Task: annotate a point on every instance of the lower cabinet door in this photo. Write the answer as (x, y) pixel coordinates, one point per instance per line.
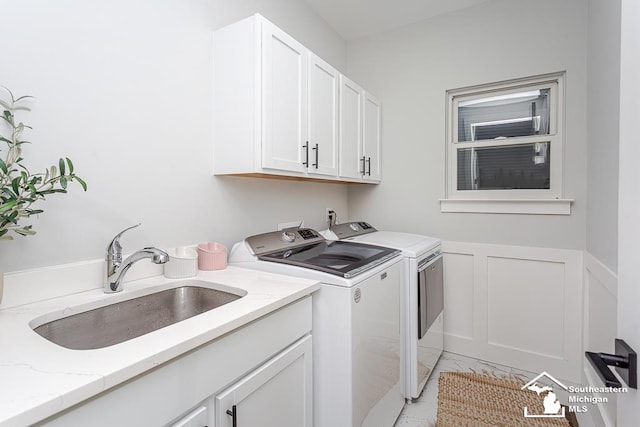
(196, 418)
(277, 394)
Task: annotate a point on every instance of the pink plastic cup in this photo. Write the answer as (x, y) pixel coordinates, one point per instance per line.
(212, 256)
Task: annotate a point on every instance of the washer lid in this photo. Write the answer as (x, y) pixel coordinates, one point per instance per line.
(345, 259)
(413, 245)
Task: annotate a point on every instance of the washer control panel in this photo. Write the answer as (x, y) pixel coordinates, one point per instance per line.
(351, 229)
(277, 240)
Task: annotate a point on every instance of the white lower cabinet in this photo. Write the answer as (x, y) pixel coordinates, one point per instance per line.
(278, 394)
(199, 417)
(263, 369)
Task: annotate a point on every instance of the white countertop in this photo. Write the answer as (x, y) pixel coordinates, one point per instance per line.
(39, 378)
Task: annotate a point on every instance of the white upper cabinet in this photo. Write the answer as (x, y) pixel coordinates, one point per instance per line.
(351, 159)
(371, 141)
(277, 107)
(360, 141)
(323, 118)
(284, 100)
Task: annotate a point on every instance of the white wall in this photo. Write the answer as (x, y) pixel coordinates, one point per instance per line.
(410, 69)
(124, 89)
(603, 130)
(601, 257)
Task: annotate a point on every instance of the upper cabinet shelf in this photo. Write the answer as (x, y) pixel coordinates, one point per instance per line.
(281, 111)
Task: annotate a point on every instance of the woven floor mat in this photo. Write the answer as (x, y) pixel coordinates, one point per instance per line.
(469, 399)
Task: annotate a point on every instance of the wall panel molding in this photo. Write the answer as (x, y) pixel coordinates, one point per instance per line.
(523, 305)
(600, 323)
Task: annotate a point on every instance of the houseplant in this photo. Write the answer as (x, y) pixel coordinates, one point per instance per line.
(20, 189)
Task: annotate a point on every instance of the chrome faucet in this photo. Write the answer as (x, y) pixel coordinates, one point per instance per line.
(117, 268)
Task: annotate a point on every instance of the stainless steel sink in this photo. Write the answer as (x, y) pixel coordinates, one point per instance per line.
(124, 320)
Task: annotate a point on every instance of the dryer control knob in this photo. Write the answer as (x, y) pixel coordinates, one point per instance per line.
(288, 236)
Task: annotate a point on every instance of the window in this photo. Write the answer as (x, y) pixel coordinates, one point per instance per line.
(505, 146)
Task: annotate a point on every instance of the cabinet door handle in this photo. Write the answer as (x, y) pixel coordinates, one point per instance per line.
(306, 154)
(369, 162)
(364, 169)
(317, 151)
(233, 415)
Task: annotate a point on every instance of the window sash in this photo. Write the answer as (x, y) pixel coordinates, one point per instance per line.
(555, 173)
(456, 98)
(554, 82)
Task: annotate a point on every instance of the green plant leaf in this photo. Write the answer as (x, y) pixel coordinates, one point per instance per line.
(25, 231)
(61, 166)
(63, 181)
(14, 154)
(70, 163)
(8, 205)
(23, 97)
(8, 192)
(15, 184)
(12, 217)
(3, 166)
(81, 182)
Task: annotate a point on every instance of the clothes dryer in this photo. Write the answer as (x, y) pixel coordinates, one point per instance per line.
(423, 296)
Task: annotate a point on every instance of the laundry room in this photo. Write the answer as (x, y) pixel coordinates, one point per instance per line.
(293, 157)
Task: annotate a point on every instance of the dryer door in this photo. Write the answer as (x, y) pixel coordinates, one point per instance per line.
(430, 294)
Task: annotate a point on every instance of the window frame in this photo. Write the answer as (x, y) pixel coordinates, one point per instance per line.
(524, 200)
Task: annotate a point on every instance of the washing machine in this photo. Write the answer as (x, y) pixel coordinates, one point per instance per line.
(422, 296)
(357, 344)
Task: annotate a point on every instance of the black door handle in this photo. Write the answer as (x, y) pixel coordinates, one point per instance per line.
(306, 147)
(234, 416)
(364, 168)
(369, 162)
(317, 150)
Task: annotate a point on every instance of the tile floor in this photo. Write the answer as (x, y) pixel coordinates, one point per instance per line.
(422, 412)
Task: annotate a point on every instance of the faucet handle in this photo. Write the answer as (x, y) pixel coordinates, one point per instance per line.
(114, 250)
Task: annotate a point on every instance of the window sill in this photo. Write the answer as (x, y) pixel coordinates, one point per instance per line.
(515, 206)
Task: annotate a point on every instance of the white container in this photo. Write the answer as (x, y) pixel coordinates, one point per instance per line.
(183, 262)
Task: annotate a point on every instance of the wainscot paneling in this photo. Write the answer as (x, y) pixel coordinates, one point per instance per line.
(515, 306)
(600, 324)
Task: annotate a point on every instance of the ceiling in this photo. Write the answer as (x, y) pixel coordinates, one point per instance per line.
(353, 19)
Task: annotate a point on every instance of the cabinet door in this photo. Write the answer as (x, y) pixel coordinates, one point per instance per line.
(323, 117)
(371, 138)
(196, 418)
(277, 394)
(351, 157)
(284, 100)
